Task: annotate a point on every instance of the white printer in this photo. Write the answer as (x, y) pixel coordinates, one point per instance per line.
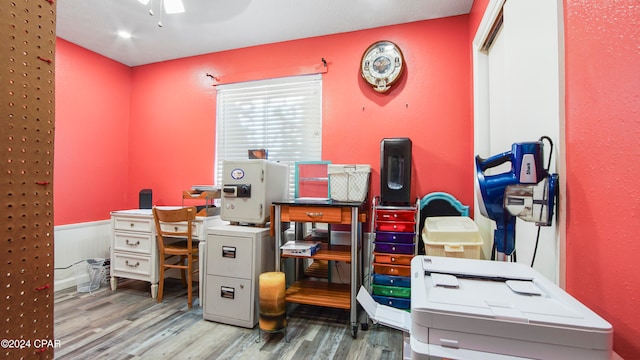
(480, 309)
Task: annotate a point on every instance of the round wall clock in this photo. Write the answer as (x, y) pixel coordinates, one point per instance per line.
(381, 65)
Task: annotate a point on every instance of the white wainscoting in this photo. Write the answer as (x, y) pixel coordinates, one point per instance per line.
(77, 242)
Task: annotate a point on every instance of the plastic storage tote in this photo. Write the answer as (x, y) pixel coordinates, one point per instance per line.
(452, 236)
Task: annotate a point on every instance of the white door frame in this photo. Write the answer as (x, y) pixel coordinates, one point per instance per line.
(482, 139)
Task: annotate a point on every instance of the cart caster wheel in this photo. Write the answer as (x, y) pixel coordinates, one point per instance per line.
(354, 331)
(364, 326)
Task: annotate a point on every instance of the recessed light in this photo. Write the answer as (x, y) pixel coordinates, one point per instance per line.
(124, 34)
(143, 2)
(173, 6)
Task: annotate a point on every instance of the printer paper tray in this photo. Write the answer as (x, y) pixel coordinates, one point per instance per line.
(512, 347)
(424, 351)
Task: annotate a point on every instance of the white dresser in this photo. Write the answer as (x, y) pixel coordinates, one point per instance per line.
(134, 252)
(236, 256)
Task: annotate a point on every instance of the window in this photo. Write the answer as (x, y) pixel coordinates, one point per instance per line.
(283, 116)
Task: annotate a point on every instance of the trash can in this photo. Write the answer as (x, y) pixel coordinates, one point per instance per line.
(89, 274)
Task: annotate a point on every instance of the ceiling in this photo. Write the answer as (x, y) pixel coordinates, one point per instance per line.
(209, 26)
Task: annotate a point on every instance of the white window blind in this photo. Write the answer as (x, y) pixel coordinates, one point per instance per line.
(283, 116)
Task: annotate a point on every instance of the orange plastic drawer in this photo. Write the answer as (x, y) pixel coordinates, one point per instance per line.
(386, 269)
(392, 259)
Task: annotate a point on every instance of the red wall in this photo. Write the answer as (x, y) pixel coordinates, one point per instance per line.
(102, 159)
(91, 135)
(602, 129)
(172, 130)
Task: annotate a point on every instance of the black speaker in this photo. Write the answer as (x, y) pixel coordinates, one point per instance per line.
(395, 171)
(144, 201)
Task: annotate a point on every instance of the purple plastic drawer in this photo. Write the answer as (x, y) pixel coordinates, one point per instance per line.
(393, 248)
(395, 237)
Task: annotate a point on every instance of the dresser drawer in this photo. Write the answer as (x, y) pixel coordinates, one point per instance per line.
(132, 265)
(396, 215)
(196, 227)
(133, 224)
(134, 242)
(315, 214)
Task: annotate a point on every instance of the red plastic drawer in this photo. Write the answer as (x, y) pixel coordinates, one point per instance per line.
(386, 269)
(394, 259)
(396, 215)
(401, 226)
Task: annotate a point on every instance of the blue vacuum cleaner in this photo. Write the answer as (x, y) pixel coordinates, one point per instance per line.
(527, 191)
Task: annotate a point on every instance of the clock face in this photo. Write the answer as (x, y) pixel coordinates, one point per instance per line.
(382, 64)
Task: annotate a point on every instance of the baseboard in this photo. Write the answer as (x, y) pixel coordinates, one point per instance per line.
(63, 284)
(74, 243)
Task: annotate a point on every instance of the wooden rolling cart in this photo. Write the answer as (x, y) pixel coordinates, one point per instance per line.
(325, 293)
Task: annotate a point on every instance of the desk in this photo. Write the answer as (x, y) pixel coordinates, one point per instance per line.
(316, 292)
(134, 250)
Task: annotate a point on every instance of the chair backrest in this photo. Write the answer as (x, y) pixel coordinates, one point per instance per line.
(169, 218)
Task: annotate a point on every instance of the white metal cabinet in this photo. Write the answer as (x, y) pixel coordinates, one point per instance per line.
(236, 256)
(134, 252)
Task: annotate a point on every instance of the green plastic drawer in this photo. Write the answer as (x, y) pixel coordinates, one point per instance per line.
(401, 292)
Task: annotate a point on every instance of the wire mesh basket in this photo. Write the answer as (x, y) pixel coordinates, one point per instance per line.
(89, 274)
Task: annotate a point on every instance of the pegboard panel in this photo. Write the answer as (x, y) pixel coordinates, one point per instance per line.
(28, 40)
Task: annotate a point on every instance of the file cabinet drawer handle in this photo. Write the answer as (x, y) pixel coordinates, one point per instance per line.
(227, 292)
(229, 252)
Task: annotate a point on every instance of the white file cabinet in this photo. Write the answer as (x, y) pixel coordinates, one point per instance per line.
(236, 256)
(134, 251)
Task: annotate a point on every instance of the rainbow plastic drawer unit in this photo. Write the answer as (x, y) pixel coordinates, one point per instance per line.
(478, 309)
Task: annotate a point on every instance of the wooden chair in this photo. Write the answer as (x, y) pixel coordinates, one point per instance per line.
(175, 240)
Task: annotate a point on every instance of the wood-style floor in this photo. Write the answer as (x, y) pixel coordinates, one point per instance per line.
(129, 324)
